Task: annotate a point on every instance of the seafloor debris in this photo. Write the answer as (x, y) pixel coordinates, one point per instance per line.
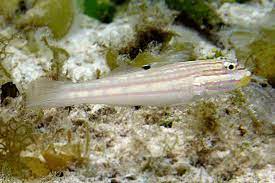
(32, 143)
(223, 138)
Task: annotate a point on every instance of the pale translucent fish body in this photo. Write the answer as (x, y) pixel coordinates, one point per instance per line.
(167, 85)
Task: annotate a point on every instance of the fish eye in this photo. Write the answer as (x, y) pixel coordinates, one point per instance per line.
(230, 66)
(146, 67)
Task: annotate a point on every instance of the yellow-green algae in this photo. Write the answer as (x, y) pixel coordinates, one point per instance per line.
(144, 58)
(5, 74)
(259, 55)
(56, 14)
(151, 26)
(217, 131)
(22, 144)
(200, 15)
(8, 8)
(111, 59)
(200, 12)
(255, 47)
(152, 42)
(16, 135)
(32, 45)
(60, 55)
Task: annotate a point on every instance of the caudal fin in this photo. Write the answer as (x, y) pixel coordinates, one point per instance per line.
(43, 92)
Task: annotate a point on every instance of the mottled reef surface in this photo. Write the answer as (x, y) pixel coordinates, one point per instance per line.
(228, 137)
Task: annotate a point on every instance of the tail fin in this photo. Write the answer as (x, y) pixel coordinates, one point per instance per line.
(42, 91)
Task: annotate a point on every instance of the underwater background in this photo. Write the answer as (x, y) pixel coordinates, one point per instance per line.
(227, 137)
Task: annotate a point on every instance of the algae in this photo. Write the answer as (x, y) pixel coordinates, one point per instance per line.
(146, 38)
(218, 138)
(32, 45)
(103, 10)
(234, 1)
(206, 117)
(111, 58)
(144, 58)
(200, 15)
(16, 135)
(156, 116)
(8, 8)
(37, 167)
(5, 75)
(256, 49)
(56, 14)
(60, 55)
(153, 37)
(217, 132)
(201, 12)
(22, 144)
(263, 59)
(157, 165)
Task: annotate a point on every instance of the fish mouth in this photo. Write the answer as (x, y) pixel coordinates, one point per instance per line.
(245, 80)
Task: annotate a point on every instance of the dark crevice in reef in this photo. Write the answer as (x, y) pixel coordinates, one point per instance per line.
(119, 2)
(271, 81)
(206, 30)
(144, 38)
(22, 7)
(9, 90)
(199, 15)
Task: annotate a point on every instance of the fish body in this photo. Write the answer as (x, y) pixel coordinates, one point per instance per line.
(167, 85)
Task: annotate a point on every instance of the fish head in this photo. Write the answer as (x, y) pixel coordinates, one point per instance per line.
(222, 77)
(237, 73)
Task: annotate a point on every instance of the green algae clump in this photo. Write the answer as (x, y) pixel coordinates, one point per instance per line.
(103, 10)
(264, 59)
(15, 136)
(144, 58)
(56, 14)
(5, 75)
(8, 8)
(60, 55)
(207, 121)
(256, 48)
(27, 152)
(111, 58)
(200, 13)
